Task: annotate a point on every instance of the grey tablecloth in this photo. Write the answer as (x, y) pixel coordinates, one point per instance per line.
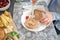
(48, 34)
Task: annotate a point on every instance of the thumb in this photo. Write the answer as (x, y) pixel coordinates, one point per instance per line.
(15, 38)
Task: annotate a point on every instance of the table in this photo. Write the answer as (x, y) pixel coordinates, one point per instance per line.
(48, 34)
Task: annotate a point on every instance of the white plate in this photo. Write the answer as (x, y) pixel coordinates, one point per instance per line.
(23, 19)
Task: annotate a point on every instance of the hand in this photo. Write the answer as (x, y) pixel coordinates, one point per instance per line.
(47, 18)
(34, 1)
(15, 38)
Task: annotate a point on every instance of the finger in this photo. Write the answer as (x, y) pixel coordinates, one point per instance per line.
(45, 20)
(15, 38)
(42, 18)
(49, 24)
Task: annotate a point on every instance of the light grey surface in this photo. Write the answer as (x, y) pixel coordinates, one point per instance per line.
(48, 34)
(58, 37)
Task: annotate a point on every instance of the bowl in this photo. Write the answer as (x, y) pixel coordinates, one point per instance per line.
(6, 7)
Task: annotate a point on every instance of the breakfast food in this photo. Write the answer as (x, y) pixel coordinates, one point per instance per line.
(9, 20)
(2, 34)
(12, 35)
(38, 14)
(31, 23)
(1, 23)
(3, 3)
(27, 17)
(5, 19)
(8, 29)
(6, 13)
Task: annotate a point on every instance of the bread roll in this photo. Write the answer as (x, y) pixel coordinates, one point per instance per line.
(31, 23)
(38, 14)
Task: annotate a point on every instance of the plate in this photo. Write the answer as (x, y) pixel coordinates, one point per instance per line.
(23, 19)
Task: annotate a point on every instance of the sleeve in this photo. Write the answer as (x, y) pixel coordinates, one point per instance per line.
(56, 16)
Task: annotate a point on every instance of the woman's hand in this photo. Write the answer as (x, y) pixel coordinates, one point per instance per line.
(34, 1)
(15, 38)
(47, 18)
